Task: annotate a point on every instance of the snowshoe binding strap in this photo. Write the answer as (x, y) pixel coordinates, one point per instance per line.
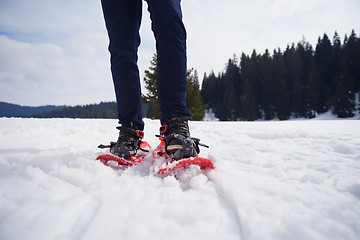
(133, 132)
(176, 124)
(178, 143)
(128, 143)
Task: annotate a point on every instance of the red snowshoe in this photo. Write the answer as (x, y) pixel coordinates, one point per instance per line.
(171, 165)
(117, 162)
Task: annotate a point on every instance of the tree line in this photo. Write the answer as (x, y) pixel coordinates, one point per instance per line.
(101, 110)
(299, 82)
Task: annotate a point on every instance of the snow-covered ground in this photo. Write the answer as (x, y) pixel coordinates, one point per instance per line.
(273, 180)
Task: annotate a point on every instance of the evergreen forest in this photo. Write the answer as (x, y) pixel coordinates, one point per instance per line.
(302, 81)
(299, 82)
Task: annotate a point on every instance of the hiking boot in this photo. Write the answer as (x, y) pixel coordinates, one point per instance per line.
(128, 142)
(176, 135)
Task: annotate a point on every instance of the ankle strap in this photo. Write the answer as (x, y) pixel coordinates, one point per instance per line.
(174, 122)
(133, 132)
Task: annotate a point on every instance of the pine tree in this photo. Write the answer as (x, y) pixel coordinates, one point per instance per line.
(344, 96)
(310, 79)
(296, 89)
(232, 84)
(193, 97)
(281, 98)
(151, 98)
(255, 82)
(267, 86)
(221, 103)
(208, 90)
(248, 104)
(323, 58)
(352, 57)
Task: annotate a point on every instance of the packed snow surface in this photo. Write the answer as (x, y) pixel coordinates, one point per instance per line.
(273, 180)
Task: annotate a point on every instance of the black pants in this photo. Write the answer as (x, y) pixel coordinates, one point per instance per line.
(123, 19)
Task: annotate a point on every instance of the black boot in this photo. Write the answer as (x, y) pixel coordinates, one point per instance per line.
(128, 142)
(176, 135)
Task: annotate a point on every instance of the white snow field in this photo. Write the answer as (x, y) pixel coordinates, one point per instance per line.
(273, 180)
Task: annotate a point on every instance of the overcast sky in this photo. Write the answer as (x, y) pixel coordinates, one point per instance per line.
(55, 51)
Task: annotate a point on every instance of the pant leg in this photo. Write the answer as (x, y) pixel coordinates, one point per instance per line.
(123, 19)
(170, 35)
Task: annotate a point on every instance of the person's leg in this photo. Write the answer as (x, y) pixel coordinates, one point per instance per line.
(170, 35)
(123, 19)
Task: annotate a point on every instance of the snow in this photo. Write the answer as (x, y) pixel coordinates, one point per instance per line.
(210, 116)
(273, 180)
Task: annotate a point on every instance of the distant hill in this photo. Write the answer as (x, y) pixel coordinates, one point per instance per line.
(14, 110)
(101, 110)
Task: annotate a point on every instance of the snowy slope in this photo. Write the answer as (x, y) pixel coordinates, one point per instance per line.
(273, 180)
